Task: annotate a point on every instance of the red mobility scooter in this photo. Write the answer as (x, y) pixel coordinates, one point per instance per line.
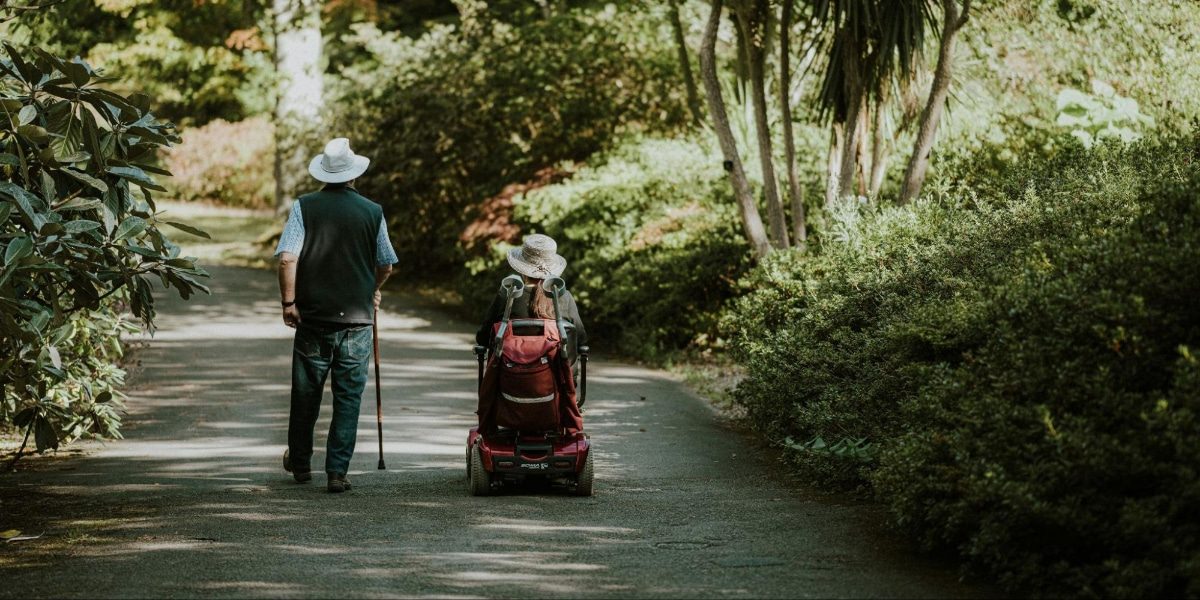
(530, 425)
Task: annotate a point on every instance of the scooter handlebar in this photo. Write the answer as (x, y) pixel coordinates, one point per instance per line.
(555, 286)
(512, 287)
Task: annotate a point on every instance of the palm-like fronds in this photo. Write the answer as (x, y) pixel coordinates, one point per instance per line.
(872, 45)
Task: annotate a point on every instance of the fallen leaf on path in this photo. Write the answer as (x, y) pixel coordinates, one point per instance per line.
(22, 538)
(11, 533)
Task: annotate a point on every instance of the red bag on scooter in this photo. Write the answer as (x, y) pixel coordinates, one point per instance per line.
(528, 384)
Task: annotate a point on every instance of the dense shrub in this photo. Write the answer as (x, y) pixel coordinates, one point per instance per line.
(453, 116)
(80, 242)
(227, 163)
(1020, 362)
(653, 242)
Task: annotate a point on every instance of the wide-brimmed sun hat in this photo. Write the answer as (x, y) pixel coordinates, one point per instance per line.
(338, 164)
(537, 257)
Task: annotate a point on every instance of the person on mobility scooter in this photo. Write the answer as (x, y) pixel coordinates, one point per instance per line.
(532, 355)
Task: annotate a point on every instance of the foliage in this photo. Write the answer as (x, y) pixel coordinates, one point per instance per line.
(1102, 114)
(1021, 55)
(652, 241)
(198, 60)
(1021, 360)
(453, 116)
(227, 163)
(80, 237)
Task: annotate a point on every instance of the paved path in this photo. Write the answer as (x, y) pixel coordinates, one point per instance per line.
(193, 502)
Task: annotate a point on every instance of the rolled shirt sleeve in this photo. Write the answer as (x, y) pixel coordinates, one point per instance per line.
(385, 254)
(292, 240)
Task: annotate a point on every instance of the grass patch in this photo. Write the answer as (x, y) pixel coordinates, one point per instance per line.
(239, 237)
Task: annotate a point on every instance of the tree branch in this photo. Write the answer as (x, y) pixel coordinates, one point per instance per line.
(15, 11)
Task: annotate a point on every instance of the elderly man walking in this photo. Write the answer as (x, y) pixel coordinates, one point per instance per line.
(334, 256)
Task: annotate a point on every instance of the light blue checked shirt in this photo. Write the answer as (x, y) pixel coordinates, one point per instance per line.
(292, 240)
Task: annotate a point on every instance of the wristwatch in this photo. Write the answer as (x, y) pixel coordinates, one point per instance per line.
(287, 304)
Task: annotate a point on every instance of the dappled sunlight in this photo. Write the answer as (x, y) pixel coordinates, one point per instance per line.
(540, 527)
(197, 489)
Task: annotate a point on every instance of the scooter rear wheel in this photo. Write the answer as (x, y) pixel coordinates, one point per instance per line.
(480, 481)
(583, 486)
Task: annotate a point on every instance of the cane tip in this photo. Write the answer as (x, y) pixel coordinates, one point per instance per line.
(381, 467)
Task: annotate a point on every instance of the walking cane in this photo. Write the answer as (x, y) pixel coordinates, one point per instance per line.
(378, 390)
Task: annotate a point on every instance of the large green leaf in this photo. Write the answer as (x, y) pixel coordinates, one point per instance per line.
(27, 114)
(5, 210)
(25, 417)
(81, 204)
(190, 229)
(137, 176)
(77, 73)
(27, 70)
(130, 227)
(91, 139)
(25, 200)
(81, 226)
(45, 434)
(61, 120)
(34, 133)
(17, 249)
(87, 179)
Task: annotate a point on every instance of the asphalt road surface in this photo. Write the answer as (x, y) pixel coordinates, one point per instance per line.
(194, 503)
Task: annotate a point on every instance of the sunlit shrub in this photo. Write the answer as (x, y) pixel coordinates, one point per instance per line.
(227, 163)
(653, 241)
(1021, 360)
(452, 117)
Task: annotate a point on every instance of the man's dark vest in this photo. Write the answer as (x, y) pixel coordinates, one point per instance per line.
(335, 279)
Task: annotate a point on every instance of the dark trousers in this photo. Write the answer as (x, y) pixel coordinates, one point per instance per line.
(317, 350)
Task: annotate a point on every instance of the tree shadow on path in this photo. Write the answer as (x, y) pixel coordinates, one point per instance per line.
(194, 502)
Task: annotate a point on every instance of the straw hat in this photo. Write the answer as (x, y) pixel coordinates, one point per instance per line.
(338, 164)
(537, 257)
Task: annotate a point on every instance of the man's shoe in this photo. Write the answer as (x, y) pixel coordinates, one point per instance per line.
(300, 475)
(338, 483)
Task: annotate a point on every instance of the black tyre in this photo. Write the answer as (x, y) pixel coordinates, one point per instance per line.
(583, 486)
(479, 480)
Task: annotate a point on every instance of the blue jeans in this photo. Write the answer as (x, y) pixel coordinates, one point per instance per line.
(316, 351)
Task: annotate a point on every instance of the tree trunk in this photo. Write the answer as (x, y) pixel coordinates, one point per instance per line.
(751, 221)
(879, 150)
(860, 161)
(685, 63)
(799, 222)
(853, 131)
(742, 72)
(298, 45)
(753, 20)
(836, 141)
(918, 163)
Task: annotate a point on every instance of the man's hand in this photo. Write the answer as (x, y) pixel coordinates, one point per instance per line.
(378, 297)
(291, 316)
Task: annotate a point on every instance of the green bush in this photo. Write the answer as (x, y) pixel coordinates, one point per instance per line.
(453, 116)
(1020, 362)
(80, 242)
(653, 241)
(227, 163)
